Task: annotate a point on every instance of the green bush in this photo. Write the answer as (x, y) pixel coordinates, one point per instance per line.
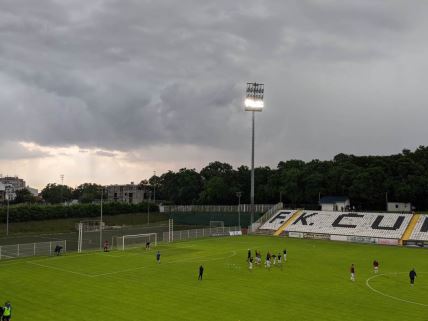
(35, 212)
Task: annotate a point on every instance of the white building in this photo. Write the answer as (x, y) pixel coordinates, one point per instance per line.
(399, 207)
(33, 191)
(335, 203)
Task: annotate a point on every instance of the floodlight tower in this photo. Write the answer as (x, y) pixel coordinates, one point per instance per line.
(253, 102)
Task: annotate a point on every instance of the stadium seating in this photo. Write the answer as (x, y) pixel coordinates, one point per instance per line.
(420, 232)
(277, 220)
(376, 225)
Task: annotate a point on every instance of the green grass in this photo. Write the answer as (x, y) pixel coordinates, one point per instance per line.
(313, 285)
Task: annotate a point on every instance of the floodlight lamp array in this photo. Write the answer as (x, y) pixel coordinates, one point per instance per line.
(254, 97)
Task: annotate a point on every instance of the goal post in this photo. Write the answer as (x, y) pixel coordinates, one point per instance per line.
(129, 241)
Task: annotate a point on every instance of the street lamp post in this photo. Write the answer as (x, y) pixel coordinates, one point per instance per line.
(101, 219)
(154, 187)
(238, 195)
(253, 102)
(148, 206)
(7, 214)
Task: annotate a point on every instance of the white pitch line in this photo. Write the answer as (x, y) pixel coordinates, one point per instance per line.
(204, 260)
(391, 296)
(59, 269)
(117, 272)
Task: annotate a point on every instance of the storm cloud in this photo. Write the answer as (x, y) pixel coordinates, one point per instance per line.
(124, 75)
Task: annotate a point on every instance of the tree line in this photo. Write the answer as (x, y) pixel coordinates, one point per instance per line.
(367, 180)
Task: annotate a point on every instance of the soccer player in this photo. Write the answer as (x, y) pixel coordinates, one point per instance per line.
(258, 257)
(7, 312)
(267, 263)
(57, 250)
(250, 263)
(412, 275)
(352, 270)
(285, 255)
(106, 246)
(376, 266)
(279, 258)
(201, 272)
(274, 259)
(147, 245)
(248, 255)
(158, 257)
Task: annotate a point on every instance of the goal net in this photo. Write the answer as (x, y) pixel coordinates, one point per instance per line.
(90, 226)
(129, 241)
(216, 224)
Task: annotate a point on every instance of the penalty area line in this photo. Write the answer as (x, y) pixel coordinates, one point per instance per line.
(391, 296)
(59, 269)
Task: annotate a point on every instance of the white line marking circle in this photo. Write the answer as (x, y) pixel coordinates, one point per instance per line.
(391, 296)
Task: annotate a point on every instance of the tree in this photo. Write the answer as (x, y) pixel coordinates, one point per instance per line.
(55, 194)
(87, 192)
(24, 196)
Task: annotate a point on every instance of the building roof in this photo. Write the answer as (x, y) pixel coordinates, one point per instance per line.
(333, 199)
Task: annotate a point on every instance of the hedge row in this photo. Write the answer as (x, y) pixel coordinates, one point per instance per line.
(27, 212)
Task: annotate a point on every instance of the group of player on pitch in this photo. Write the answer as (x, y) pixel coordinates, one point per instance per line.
(271, 259)
(412, 273)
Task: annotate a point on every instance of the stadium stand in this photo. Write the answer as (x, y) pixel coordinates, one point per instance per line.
(375, 225)
(276, 221)
(420, 232)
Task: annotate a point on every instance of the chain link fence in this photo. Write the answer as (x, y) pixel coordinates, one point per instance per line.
(31, 249)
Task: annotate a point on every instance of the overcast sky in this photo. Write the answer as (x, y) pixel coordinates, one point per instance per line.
(109, 91)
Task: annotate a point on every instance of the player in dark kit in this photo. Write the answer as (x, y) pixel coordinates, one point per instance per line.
(57, 250)
(158, 257)
(352, 270)
(106, 246)
(7, 312)
(248, 255)
(201, 272)
(412, 275)
(375, 266)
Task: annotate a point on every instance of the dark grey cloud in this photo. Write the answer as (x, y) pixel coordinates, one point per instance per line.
(127, 75)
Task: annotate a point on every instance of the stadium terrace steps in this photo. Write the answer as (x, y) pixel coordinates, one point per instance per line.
(287, 222)
(420, 232)
(371, 225)
(409, 230)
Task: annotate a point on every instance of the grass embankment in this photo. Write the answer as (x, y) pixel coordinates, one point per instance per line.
(68, 224)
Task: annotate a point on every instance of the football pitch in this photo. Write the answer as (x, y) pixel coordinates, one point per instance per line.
(314, 283)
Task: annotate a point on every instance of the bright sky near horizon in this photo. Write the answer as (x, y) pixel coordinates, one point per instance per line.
(109, 91)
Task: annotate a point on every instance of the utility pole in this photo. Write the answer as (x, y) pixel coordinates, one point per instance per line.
(148, 206)
(7, 214)
(239, 194)
(101, 219)
(154, 187)
(62, 186)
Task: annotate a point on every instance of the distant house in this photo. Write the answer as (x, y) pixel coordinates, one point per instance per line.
(398, 207)
(129, 193)
(334, 203)
(2, 192)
